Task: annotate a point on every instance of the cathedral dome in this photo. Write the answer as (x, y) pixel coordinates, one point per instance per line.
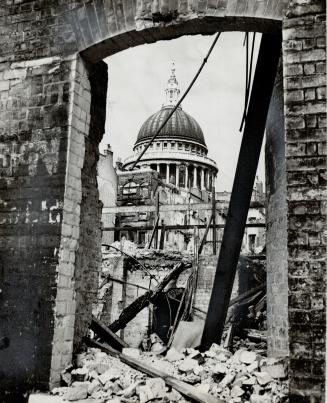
(181, 126)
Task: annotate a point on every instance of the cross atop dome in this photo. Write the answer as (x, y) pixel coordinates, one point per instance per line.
(172, 91)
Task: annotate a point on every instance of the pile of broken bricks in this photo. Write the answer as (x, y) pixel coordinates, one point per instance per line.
(245, 376)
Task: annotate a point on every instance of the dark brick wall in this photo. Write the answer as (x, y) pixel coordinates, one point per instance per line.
(33, 140)
(305, 124)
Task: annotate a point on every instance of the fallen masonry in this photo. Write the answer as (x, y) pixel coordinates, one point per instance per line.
(217, 375)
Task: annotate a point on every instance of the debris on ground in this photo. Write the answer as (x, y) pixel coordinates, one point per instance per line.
(245, 376)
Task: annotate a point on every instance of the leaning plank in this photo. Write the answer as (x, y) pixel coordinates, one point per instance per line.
(246, 294)
(107, 335)
(182, 387)
(144, 300)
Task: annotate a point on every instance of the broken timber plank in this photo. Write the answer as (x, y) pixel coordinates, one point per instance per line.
(107, 335)
(144, 300)
(153, 231)
(246, 294)
(162, 235)
(182, 387)
(262, 87)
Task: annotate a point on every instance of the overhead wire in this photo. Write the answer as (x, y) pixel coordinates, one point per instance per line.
(248, 75)
(178, 103)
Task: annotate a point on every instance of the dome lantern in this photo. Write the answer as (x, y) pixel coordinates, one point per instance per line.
(172, 91)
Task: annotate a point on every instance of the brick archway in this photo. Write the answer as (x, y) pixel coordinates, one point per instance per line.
(49, 122)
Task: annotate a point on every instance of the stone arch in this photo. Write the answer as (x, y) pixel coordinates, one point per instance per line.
(101, 29)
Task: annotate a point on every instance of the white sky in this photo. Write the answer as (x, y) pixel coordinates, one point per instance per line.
(138, 77)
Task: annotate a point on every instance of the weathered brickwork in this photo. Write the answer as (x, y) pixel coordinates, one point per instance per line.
(88, 260)
(276, 219)
(33, 134)
(37, 29)
(65, 308)
(305, 122)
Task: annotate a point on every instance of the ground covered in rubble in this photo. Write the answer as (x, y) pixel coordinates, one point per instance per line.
(243, 376)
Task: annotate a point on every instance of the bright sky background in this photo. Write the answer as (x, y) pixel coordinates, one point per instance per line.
(138, 77)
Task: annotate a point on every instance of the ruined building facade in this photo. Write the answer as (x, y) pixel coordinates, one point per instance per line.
(52, 113)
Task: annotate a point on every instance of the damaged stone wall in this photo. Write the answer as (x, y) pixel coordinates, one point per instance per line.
(157, 263)
(34, 109)
(88, 258)
(304, 52)
(114, 296)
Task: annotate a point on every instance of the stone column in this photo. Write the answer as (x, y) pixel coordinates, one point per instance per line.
(186, 176)
(195, 176)
(202, 179)
(167, 172)
(208, 176)
(158, 168)
(177, 174)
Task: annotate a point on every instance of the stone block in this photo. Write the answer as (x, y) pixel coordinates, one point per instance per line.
(4, 85)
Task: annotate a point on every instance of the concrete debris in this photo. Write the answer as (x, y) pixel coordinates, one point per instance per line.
(173, 355)
(112, 374)
(153, 389)
(243, 377)
(131, 352)
(263, 377)
(188, 365)
(275, 371)
(247, 357)
(78, 391)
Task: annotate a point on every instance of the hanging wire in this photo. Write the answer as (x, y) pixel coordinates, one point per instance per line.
(248, 75)
(135, 260)
(178, 103)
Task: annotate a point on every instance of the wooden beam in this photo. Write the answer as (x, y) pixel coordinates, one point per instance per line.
(153, 231)
(157, 217)
(182, 387)
(263, 83)
(177, 227)
(107, 335)
(162, 235)
(144, 300)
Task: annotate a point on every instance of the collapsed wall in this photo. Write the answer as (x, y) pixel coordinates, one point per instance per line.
(123, 280)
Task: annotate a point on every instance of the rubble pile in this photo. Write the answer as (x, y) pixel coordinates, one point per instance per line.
(101, 378)
(245, 376)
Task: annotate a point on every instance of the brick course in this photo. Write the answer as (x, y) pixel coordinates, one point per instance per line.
(305, 112)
